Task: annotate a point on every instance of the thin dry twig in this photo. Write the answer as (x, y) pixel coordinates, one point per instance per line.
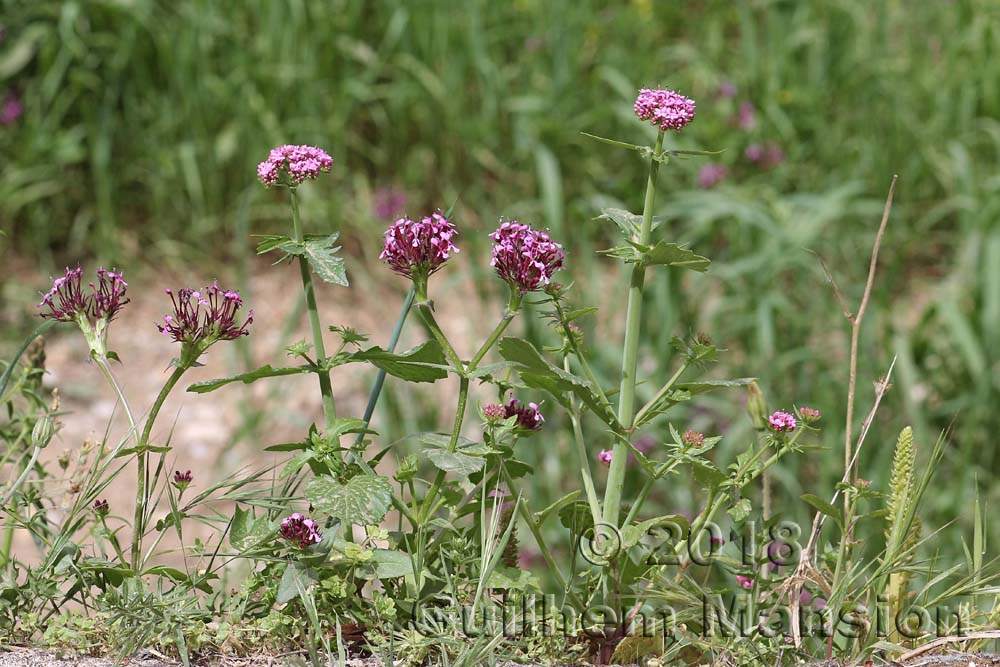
(856, 327)
(930, 646)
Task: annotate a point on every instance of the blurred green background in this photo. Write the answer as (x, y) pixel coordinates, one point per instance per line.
(132, 129)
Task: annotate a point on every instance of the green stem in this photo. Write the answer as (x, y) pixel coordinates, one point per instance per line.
(142, 458)
(513, 305)
(581, 452)
(325, 388)
(630, 356)
(463, 397)
(426, 310)
(380, 378)
(539, 539)
(640, 417)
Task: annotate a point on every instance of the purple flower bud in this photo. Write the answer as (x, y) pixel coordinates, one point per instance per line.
(664, 108)
(10, 109)
(528, 416)
(201, 318)
(781, 422)
(745, 582)
(419, 248)
(296, 163)
(605, 456)
(101, 507)
(301, 531)
(526, 258)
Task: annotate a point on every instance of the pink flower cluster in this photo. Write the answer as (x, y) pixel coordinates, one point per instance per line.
(745, 582)
(526, 258)
(204, 316)
(528, 416)
(297, 162)
(494, 412)
(781, 422)
(664, 108)
(300, 530)
(766, 155)
(419, 248)
(605, 456)
(67, 301)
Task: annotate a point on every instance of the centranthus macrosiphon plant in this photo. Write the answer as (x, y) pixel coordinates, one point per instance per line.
(335, 556)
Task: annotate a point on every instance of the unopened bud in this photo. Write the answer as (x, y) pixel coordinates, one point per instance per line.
(41, 435)
(757, 406)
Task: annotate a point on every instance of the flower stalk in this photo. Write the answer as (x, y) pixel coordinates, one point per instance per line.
(630, 356)
(325, 387)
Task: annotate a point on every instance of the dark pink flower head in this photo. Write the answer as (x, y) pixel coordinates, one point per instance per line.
(202, 317)
(781, 422)
(745, 582)
(11, 109)
(101, 507)
(92, 311)
(300, 530)
(664, 108)
(526, 258)
(605, 456)
(528, 416)
(295, 163)
(712, 174)
(419, 248)
(182, 479)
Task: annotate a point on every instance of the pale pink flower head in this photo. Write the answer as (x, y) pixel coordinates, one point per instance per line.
(727, 89)
(294, 163)
(664, 108)
(528, 416)
(300, 530)
(418, 249)
(494, 412)
(746, 119)
(745, 582)
(781, 422)
(524, 257)
(202, 317)
(765, 155)
(693, 438)
(809, 415)
(712, 174)
(605, 456)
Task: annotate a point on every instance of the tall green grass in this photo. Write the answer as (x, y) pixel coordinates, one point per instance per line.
(144, 122)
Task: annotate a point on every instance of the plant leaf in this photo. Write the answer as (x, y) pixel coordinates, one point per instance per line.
(823, 506)
(671, 254)
(456, 462)
(423, 363)
(537, 372)
(364, 500)
(266, 371)
(323, 259)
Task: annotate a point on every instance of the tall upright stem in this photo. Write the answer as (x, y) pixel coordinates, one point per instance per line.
(630, 355)
(325, 388)
(142, 476)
